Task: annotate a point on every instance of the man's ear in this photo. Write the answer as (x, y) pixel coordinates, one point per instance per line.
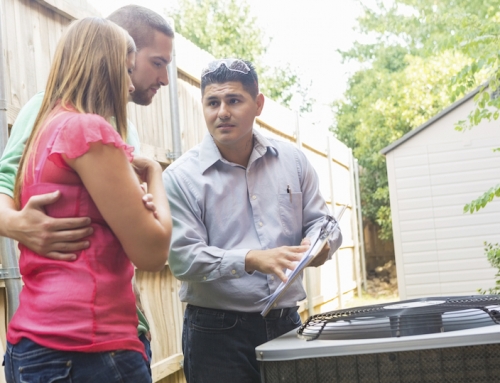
(260, 103)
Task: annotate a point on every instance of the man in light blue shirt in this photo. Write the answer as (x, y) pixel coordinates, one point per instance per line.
(242, 206)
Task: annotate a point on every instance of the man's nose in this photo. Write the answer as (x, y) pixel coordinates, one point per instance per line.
(223, 112)
(163, 78)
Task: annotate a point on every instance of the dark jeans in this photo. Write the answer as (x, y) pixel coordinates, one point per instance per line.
(30, 362)
(219, 346)
(147, 349)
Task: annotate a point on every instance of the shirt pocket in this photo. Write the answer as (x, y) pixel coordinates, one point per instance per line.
(290, 212)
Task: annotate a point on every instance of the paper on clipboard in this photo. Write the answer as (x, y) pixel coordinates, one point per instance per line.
(318, 240)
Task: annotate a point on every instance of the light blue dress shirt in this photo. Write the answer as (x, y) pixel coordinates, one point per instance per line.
(222, 210)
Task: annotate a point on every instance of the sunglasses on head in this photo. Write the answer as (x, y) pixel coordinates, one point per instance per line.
(235, 65)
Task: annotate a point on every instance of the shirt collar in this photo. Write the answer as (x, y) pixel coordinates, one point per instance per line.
(210, 154)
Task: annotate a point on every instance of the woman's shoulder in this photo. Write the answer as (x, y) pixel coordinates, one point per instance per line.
(78, 130)
(85, 119)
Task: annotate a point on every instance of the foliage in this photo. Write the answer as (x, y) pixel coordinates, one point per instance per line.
(478, 36)
(493, 253)
(422, 60)
(482, 201)
(226, 28)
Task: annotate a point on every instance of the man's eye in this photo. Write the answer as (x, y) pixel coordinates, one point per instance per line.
(129, 71)
(157, 64)
(234, 101)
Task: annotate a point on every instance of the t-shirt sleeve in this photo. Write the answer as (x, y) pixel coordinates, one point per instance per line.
(9, 162)
(74, 137)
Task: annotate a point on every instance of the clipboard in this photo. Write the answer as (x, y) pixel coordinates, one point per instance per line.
(317, 242)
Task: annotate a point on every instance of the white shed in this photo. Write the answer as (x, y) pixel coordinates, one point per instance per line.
(433, 172)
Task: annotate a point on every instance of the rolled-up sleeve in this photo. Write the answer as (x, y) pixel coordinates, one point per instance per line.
(191, 258)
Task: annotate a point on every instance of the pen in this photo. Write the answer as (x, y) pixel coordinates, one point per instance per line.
(289, 192)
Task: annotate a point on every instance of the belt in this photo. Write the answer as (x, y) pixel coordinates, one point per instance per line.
(280, 313)
(273, 314)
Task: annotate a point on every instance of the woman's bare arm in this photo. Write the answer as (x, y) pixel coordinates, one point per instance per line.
(113, 185)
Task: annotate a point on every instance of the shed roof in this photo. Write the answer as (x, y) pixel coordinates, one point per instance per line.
(429, 122)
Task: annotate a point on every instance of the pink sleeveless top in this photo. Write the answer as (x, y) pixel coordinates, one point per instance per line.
(87, 305)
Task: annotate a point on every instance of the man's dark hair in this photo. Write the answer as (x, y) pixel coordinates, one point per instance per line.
(223, 74)
(140, 23)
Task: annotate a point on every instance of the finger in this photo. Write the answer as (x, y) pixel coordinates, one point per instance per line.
(61, 256)
(71, 236)
(150, 206)
(306, 241)
(292, 265)
(299, 249)
(73, 225)
(281, 275)
(68, 247)
(38, 201)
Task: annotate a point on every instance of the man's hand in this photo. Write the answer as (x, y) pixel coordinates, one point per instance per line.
(322, 256)
(275, 261)
(55, 238)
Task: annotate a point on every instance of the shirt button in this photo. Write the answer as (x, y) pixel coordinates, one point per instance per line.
(261, 224)
(254, 197)
(272, 278)
(204, 278)
(233, 272)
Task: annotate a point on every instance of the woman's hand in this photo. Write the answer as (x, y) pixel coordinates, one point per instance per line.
(147, 199)
(144, 167)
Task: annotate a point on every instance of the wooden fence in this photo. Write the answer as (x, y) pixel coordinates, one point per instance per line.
(30, 31)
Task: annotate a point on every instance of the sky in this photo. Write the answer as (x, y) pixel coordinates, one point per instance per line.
(305, 34)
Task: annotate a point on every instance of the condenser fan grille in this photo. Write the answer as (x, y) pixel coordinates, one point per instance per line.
(405, 318)
(471, 364)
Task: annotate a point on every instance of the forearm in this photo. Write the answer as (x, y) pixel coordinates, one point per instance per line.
(162, 213)
(192, 260)
(155, 187)
(8, 221)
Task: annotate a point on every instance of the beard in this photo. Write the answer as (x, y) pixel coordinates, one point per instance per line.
(141, 97)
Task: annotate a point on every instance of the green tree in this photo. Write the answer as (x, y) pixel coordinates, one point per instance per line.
(226, 28)
(478, 36)
(413, 70)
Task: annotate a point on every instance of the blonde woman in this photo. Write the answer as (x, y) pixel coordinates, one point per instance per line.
(77, 321)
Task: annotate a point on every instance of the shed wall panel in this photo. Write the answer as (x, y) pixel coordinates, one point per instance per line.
(431, 177)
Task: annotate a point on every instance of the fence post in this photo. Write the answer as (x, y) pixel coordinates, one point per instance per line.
(10, 266)
(354, 223)
(309, 276)
(332, 208)
(174, 102)
(360, 222)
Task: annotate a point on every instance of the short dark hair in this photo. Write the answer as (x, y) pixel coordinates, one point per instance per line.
(222, 74)
(140, 23)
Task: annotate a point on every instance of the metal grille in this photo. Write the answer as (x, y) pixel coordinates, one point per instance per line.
(469, 364)
(410, 317)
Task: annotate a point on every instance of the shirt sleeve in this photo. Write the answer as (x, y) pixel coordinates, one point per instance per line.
(78, 132)
(314, 205)
(191, 258)
(133, 137)
(21, 130)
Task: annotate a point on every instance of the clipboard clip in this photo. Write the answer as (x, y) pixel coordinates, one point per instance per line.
(330, 223)
(326, 227)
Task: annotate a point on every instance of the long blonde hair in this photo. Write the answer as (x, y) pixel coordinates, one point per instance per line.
(89, 74)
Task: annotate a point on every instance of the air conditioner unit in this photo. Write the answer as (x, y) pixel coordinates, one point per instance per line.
(438, 339)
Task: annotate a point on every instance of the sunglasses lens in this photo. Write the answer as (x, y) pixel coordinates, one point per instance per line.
(231, 64)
